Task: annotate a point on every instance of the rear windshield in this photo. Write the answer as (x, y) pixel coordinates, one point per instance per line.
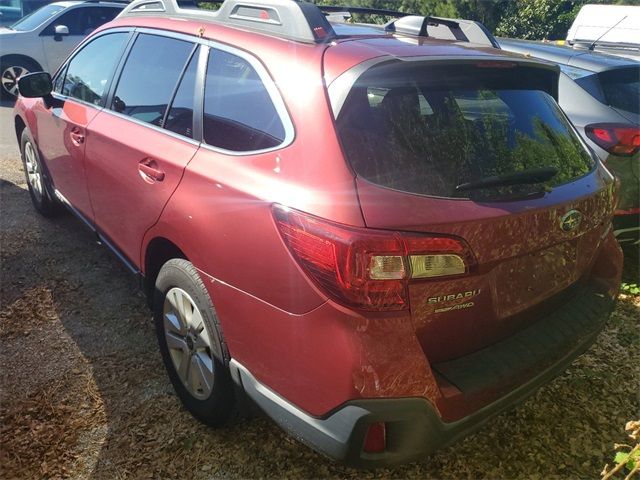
(621, 88)
(430, 129)
(37, 18)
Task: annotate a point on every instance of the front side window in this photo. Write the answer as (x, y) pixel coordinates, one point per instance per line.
(58, 82)
(239, 114)
(90, 70)
(445, 130)
(150, 76)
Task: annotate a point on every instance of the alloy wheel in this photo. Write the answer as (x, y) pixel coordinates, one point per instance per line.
(10, 77)
(189, 343)
(34, 175)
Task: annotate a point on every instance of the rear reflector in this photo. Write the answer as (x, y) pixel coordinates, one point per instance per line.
(365, 268)
(429, 266)
(618, 139)
(376, 439)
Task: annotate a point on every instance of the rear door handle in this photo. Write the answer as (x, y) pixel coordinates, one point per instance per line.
(149, 168)
(77, 137)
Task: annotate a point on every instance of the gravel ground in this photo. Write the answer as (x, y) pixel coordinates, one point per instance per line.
(84, 394)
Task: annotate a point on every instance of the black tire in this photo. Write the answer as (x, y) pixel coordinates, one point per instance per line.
(216, 409)
(43, 199)
(10, 68)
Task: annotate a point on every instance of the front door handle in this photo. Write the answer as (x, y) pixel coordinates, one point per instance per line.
(77, 137)
(149, 168)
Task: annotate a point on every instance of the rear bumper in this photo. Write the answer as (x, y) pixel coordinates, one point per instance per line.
(414, 427)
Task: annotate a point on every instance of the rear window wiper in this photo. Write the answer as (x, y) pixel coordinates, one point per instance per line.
(526, 177)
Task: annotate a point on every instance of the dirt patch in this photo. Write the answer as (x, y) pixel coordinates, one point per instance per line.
(39, 434)
(27, 313)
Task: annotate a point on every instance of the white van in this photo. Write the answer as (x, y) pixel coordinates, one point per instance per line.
(606, 25)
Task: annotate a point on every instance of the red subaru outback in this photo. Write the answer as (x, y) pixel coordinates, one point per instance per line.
(381, 235)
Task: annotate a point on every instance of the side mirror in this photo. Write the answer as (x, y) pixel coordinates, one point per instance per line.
(60, 31)
(34, 85)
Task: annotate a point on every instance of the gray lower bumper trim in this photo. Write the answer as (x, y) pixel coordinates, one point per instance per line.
(414, 428)
(329, 436)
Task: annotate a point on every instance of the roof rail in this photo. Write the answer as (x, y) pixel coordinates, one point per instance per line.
(443, 28)
(306, 22)
(296, 20)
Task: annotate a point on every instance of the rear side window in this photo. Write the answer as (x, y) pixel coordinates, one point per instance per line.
(431, 129)
(90, 70)
(150, 76)
(83, 20)
(621, 88)
(239, 114)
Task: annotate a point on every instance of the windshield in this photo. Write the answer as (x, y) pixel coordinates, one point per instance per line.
(428, 130)
(37, 18)
(621, 88)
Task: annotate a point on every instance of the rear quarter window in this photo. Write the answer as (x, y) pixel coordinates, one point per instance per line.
(621, 88)
(239, 113)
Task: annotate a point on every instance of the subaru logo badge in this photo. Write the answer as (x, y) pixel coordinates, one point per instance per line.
(570, 220)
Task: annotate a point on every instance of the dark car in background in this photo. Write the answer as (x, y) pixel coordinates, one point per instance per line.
(10, 11)
(600, 94)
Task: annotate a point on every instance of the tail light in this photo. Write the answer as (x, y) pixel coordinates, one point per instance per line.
(364, 268)
(618, 139)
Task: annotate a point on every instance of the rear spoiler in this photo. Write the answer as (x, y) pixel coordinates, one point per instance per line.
(341, 86)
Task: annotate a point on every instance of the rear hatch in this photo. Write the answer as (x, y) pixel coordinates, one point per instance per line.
(480, 151)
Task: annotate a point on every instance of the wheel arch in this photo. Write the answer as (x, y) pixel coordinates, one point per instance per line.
(158, 252)
(16, 60)
(19, 57)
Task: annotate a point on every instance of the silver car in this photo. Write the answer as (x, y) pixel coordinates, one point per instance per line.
(600, 94)
(42, 40)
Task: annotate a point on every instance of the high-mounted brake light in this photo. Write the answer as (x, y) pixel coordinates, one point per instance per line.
(365, 268)
(619, 139)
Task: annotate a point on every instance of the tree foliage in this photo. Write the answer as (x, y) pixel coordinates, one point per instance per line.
(530, 19)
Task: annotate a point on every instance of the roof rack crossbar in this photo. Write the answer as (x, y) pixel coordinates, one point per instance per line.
(462, 30)
(362, 10)
(292, 19)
